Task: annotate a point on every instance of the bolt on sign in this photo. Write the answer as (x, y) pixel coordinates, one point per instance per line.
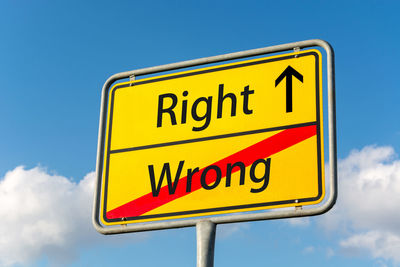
(231, 138)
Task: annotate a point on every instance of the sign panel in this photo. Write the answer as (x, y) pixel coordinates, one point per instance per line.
(224, 139)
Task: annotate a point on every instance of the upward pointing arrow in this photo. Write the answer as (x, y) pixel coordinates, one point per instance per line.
(288, 73)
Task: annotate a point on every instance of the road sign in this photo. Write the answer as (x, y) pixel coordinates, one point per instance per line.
(230, 138)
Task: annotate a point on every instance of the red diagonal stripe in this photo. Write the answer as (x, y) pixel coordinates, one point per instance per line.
(262, 149)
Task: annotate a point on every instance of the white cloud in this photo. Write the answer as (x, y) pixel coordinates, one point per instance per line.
(330, 253)
(299, 222)
(227, 230)
(366, 213)
(308, 250)
(384, 245)
(45, 215)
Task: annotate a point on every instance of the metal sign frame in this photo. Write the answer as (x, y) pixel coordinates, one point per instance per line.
(268, 215)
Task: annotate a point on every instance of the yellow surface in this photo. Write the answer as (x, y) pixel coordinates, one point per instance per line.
(294, 171)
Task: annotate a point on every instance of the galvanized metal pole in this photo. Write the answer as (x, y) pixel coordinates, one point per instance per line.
(205, 231)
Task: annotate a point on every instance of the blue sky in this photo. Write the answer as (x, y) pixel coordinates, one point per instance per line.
(55, 57)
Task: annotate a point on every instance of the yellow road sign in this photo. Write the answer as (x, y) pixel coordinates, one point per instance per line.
(230, 138)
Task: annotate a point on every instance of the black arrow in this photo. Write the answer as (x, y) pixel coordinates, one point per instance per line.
(288, 73)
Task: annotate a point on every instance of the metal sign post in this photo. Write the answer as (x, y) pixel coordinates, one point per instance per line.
(205, 231)
(212, 145)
